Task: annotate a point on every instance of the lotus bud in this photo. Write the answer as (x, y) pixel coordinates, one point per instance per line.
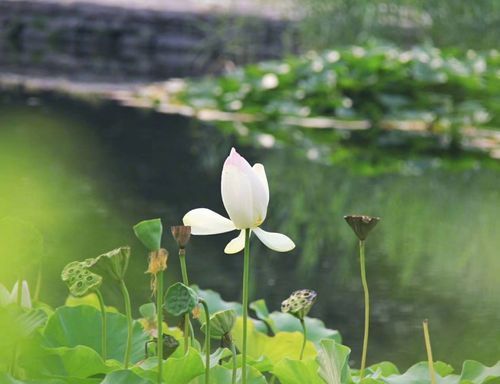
(181, 234)
(299, 303)
(361, 224)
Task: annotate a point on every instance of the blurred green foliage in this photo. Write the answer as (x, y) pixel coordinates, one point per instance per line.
(377, 82)
(451, 23)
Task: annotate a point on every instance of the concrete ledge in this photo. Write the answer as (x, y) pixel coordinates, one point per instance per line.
(100, 42)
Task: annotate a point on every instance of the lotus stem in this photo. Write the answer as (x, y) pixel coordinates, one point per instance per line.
(304, 328)
(428, 347)
(235, 362)
(185, 281)
(246, 281)
(159, 310)
(128, 311)
(207, 341)
(367, 307)
(104, 338)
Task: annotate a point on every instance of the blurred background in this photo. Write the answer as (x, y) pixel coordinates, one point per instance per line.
(95, 135)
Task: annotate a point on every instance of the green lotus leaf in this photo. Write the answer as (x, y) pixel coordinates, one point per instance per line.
(477, 373)
(276, 348)
(125, 377)
(180, 299)
(333, 361)
(221, 323)
(114, 262)
(215, 301)
(73, 326)
(260, 309)
(149, 233)
(316, 329)
(181, 370)
(223, 375)
(419, 374)
(64, 362)
(79, 279)
(297, 372)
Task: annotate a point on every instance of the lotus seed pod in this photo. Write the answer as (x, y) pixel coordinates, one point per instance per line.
(79, 279)
(221, 323)
(299, 303)
(361, 225)
(180, 299)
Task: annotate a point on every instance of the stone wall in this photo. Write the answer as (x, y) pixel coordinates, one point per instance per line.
(117, 44)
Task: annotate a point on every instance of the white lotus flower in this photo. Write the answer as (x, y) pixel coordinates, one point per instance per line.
(7, 297)
(245, 194)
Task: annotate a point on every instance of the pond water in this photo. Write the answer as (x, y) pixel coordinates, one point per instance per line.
(83, 172)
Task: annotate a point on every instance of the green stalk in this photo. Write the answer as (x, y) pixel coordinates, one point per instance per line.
(104, 338)
(185, 281)
(159, 310)
(246, 281)
(235, 362)
(303, 323)
(428, 347)
(128, 311)
(367, 306)
(207, 342)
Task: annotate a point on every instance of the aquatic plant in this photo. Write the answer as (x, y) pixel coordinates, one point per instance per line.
(362, 226)
(181, 234)
(86, 342)
(245, 194)
(149, 232)
(80, 283)
(299, 304)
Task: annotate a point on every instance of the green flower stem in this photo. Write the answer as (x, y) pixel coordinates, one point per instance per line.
(104, 338)
(235, 362)
(185, 281)
(246, 281)
(207, 341)
(128, 311)
(159, 310)
(428, 347)
(303, 323)
(367, 306)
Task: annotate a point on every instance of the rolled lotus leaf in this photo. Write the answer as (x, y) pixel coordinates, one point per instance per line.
(299, 303)
(79, 279)
(180, 299)
(149, 233)
(114, 262)
(221, 323)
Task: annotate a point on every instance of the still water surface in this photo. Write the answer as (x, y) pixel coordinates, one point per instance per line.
(84, 172)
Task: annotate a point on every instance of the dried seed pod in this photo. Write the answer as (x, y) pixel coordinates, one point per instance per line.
(361, 224)
(181, 234)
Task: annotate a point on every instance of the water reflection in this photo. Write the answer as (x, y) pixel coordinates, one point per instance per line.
(84, 173)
